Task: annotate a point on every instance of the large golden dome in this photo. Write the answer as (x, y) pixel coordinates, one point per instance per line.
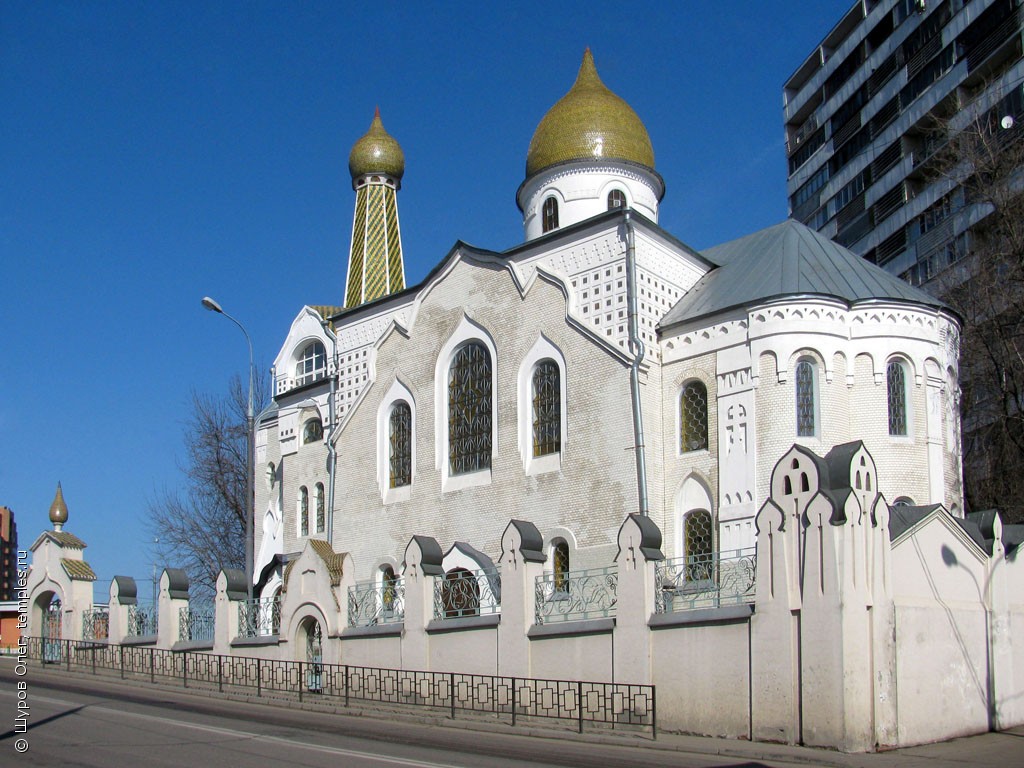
(589, 122)
(376, 152)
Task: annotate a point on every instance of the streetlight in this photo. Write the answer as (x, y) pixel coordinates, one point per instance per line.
(213, 306)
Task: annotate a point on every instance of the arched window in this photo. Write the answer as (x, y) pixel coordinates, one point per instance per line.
(560, 564)
(616, 199)
(550, 214)
(903, 501)
(400, 444)
(547, 408)
(699, 543)
(320, 508)
(896, 383)
(469, 410)
(806, 407)
(388, 589)
(303, 511)
(693, 417)
(460, 594)
(312, 430)
(311, 365)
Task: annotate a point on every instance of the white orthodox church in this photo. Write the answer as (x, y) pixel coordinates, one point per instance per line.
(602, 367)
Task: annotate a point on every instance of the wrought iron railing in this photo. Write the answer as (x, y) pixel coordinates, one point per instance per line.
(142, 620)
(96, 623)
(373, 603)
(259, 617)
(526, 700)
(461, 592)
(705, 581)
(576, 595)
(196, 622)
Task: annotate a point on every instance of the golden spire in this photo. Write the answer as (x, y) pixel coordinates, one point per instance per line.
(58, 510)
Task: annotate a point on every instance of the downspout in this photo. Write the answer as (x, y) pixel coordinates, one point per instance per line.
(332, 454)
(636, 349)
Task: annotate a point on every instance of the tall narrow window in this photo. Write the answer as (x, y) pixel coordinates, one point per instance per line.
(388, 582)
(311, 365)
(896, 381)
(320, 508)
(303, 511)
(547, 409)
(550, 214)
(805, 405)
(699, 543)
(400, 439)
(469, 410)
(560, 565)
(616, 199)
(693, 417)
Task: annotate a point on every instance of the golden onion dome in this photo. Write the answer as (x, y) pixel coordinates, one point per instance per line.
(589, 122)
(376, 152)
(58, 509)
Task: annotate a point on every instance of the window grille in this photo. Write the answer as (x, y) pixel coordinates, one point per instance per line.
(560, 566)
(616, 199)
(550, 214)
(897, 391)
(320, 508)
(303, 511)
(693, 417)
(312, 364)
(805, 426)
(699, 536)
(400, 438)
(469, 410)
(547, 409)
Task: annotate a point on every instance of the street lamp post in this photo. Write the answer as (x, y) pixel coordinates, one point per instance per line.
(213, 306)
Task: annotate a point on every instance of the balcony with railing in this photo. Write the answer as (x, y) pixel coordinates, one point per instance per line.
(259, 617)
(576, 595)
(142, 620)
(708, 580)
(374, 603)
(461, 593)
(196, 623)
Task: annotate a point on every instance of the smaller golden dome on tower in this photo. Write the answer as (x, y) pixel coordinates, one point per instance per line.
(376, 152)
(58, 510)
(589, 122)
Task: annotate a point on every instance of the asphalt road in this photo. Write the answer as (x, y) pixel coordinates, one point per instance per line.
(94, 723)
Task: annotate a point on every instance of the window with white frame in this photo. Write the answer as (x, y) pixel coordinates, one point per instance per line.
(469, 409)
(693, 417)
(698, 536)
(550, 214)
(560, 565)
(896, 388)
(616, 199)
(311, 364)
(303, 511)
(320, 508)
(400, 445)
(806, 398)
(312, 430)
(547, 408)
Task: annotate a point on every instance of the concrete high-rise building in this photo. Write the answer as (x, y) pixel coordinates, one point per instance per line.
(8, 554)
(860, 115)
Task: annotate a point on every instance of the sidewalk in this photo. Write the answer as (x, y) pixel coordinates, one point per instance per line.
(988, 750)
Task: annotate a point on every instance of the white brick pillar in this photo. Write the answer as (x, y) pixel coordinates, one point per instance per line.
(522, 561)
(422, 563)
(123, 593)
(173, 596)
(231, 592)
(639, 550)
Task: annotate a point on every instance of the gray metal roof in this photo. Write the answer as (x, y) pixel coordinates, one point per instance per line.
(785, 260)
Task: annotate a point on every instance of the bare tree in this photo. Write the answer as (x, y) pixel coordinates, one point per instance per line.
(983, 159)
(201, 528)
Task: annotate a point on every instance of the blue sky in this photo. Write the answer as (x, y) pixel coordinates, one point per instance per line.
(154, 153)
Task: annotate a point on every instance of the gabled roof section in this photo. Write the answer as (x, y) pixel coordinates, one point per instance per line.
(77, 570)
(61, 538)
(788, 259)
(902, 518)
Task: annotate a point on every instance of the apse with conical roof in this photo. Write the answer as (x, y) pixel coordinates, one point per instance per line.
(589, 153)
(375, 266)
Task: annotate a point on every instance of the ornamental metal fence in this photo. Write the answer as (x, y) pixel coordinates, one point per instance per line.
(374, 603)
(576, 595)
(462, 592)
(259, 617)
(196, 622)
(582, 702)
(142, 620)
(705, 581)
(96, 623)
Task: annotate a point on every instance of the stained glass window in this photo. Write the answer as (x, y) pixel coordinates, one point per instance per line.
(805, 408)
(547, 409)
(320, 511)
(896, 379)
(312, 364)
(560, 565)
(550, 214)
(469, 410)
(699, 542)
(388, 580)
(400, 437)
(312, 431)
(693, 417)
(303, 511)
(616, 199)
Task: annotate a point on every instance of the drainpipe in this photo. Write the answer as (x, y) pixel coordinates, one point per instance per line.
(636, 349)
(332, 454)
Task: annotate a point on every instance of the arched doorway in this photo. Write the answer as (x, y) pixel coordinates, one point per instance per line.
(314, 654)
(52, 626)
